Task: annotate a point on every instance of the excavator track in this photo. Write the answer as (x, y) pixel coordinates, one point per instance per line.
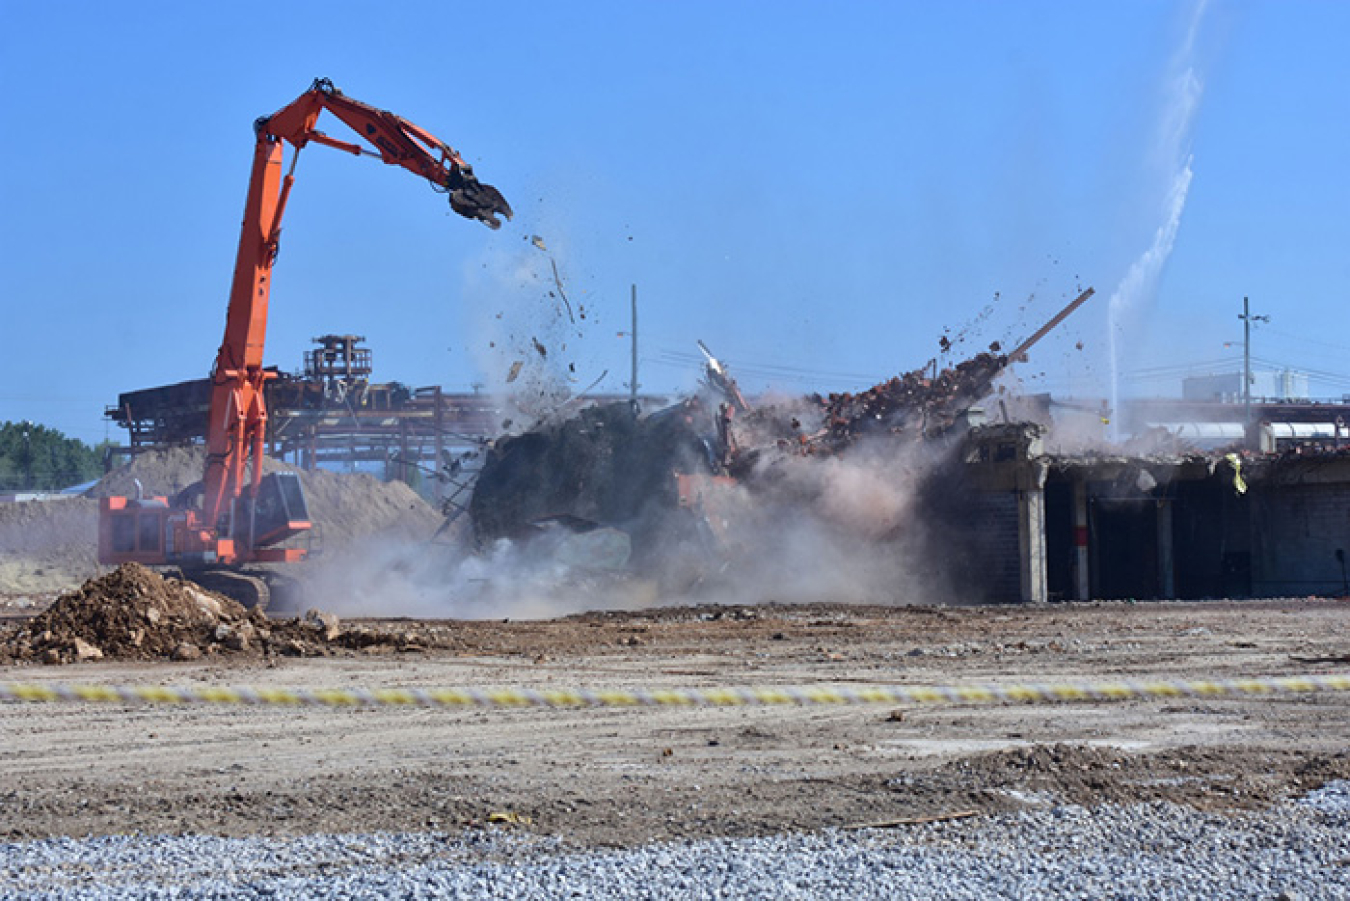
(249, 589)
(287, 595)
(257, 589)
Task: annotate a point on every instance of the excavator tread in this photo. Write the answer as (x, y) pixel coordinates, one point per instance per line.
(249, 589)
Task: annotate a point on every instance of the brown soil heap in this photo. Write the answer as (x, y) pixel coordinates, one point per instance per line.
(165, 471)
(47, 547)
(134, 613)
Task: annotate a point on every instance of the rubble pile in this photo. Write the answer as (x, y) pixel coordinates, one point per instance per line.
(607, 467)
(133, 613)
(911, 402)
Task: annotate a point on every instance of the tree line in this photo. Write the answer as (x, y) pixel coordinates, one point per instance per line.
(36, 458)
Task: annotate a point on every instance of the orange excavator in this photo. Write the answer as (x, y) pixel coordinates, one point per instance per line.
(236, 515)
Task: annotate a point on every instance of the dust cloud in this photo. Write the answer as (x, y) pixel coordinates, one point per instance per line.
(793, 528)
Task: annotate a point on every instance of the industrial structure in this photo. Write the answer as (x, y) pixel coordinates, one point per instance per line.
(332, 415)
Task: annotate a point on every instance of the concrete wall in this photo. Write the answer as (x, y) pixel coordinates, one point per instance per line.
(1296, 531)
(1155, 527)
(995, 551)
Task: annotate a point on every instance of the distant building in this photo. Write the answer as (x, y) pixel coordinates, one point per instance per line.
(1267, 385)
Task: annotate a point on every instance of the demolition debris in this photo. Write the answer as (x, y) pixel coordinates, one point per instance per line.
(914, 402)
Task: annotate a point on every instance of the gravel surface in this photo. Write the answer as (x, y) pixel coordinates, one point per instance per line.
(1298, 850)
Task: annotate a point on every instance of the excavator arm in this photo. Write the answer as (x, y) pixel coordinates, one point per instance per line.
(237, 427)
(399, 142)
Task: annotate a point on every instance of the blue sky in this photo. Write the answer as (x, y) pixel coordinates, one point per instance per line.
(816, 191)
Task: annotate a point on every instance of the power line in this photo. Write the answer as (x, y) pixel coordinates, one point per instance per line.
(1333, 346)
(747, 366)
(1180, 368)
(740, 371)
(768, 371)
(1279, 364)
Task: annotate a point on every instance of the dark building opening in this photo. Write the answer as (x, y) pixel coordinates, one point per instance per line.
(1124, 547)
(1059, 539)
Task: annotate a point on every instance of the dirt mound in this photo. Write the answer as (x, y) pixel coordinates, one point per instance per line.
(1094, 775)
(352, 506)
(47, 546)
(133, 613)
(160, 472)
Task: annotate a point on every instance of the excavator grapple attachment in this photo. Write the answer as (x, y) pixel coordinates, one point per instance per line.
(474, 200)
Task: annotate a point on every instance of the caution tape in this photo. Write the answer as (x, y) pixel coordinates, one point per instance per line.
(676, 697)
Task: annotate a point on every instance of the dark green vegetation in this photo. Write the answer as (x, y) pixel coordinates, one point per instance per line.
(36, 458)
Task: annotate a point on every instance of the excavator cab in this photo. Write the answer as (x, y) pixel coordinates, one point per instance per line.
(152, 531)
(277, 512)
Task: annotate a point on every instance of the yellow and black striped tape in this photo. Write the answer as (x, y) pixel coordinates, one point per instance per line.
(670, 697)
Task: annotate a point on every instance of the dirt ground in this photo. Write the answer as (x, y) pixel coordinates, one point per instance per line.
(626, 776)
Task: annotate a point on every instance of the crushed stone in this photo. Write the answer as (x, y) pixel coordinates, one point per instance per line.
(1157, 850)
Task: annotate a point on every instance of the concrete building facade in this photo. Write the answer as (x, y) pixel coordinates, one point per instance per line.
(1186, 527)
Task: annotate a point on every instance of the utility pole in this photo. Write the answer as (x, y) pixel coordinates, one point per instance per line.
(633, 380)
(1247, 318)
(27, 457)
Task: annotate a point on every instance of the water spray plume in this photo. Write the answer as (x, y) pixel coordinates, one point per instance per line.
(1141, 281)
(1172, 150)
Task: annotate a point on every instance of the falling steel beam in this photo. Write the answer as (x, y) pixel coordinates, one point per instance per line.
(1019, 354)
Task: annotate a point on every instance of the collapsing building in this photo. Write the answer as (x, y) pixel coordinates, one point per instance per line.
(989, 514)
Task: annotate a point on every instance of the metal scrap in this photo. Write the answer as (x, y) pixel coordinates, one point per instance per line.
(557, 280)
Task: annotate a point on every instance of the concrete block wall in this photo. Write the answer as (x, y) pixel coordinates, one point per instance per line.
(994, 545)
(1296, 531)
